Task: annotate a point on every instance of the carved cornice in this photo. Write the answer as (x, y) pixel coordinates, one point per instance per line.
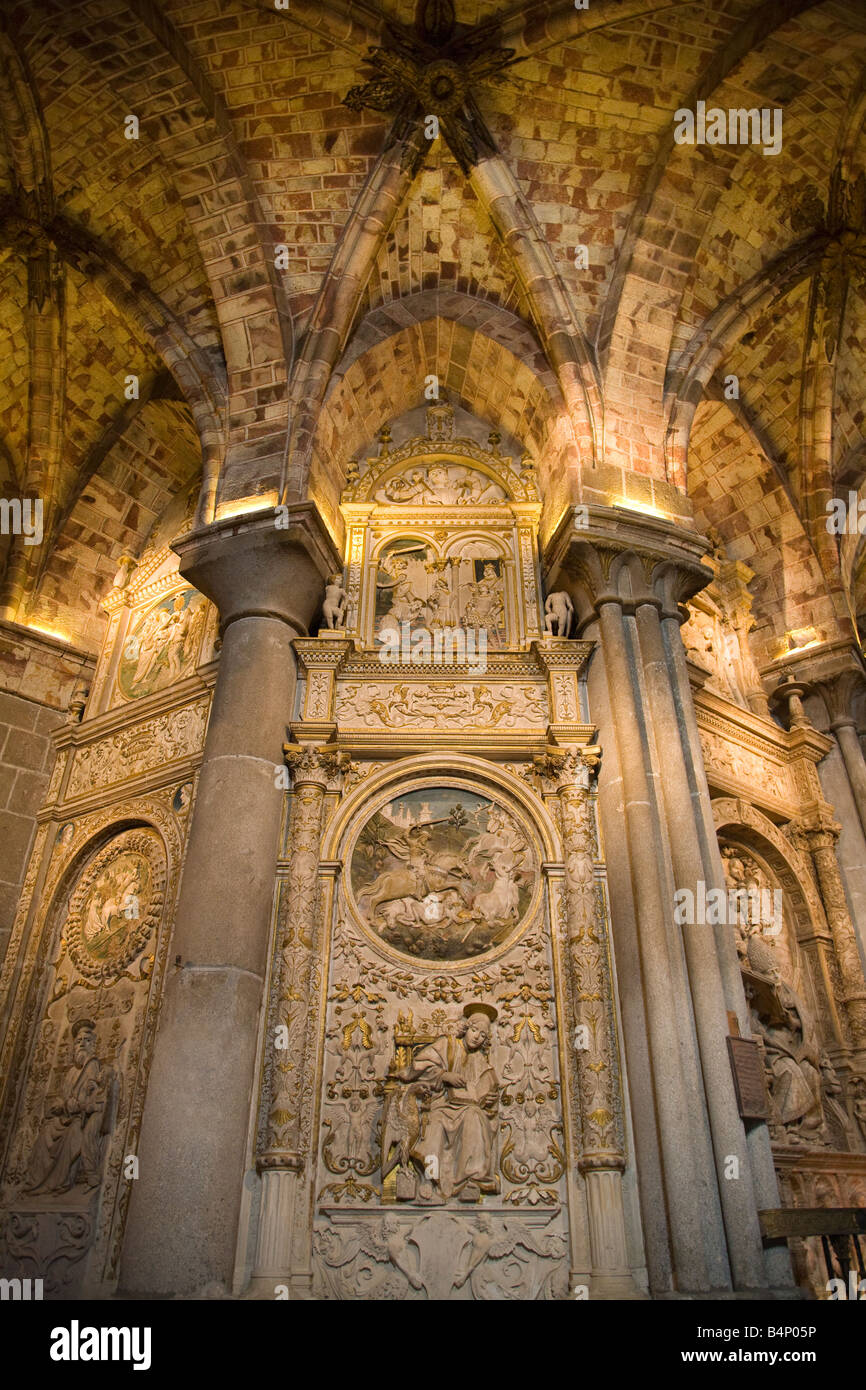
(756, 733)
(348, 658)
(819, 661)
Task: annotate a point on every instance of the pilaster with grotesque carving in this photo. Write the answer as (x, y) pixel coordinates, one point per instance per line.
(567, 772)
(282, 1072)
(286, 1095)
(589, 984)
(818, 832)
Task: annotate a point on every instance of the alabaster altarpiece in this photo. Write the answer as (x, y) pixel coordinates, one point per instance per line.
(440, 1100)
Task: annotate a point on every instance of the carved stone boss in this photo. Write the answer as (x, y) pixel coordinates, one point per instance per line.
(818, 832)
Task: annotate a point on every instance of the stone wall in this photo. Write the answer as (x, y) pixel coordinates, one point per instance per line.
(37, 677)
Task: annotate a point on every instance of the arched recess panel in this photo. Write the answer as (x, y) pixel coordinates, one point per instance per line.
(82, 1036)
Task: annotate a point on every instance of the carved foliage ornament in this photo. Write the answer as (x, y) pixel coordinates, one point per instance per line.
(139, 749)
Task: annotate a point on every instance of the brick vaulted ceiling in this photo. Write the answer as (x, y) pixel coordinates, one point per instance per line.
(263, 371)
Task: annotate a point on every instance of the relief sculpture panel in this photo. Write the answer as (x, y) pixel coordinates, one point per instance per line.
(448, 704)
(442, 874)
(162, 645)
(74, 1112)
(441, 1163)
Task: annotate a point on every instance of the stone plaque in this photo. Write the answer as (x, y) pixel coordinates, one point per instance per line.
(749, 1083)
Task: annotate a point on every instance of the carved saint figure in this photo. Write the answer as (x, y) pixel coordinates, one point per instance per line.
(456, 1148)
(793, 1073)
(335, 601)
(485, 608)
(558, 614)
(70, 1147)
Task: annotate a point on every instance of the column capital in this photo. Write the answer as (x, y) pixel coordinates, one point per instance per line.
(319, 767)
(605, 554)
(561, 769)
(270, 563)
(816, 829)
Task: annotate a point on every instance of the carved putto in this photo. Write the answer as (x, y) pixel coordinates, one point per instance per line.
(335, 602)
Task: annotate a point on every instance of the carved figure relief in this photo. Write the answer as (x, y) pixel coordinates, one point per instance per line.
(746, 767)
(447, 485)
(70, 1146)
(441, 1256)
(807, 1103)
(162, 645)
(76, 1106)
(439, 1121)
(417, 587)
(442, 874)
(113, 908)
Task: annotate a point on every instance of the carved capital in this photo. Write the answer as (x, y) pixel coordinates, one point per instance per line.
(603, 555)
(838, 692)
(566, 769)
(815, 830)
(319, 767)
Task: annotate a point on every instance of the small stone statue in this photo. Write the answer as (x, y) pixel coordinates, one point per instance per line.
(335, 603)
(858, 1095)
(558, 614)
(126, 565)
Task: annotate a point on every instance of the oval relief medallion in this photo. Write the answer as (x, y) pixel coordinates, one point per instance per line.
(116, 904)
(442, 873)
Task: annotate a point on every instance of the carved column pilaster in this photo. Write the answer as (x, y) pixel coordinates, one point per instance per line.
(284, 1142)
(819, 833)
(589, 981)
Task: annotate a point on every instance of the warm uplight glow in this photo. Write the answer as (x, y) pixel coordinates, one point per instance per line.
(643, 507)
(50, 632)
(246, 504)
